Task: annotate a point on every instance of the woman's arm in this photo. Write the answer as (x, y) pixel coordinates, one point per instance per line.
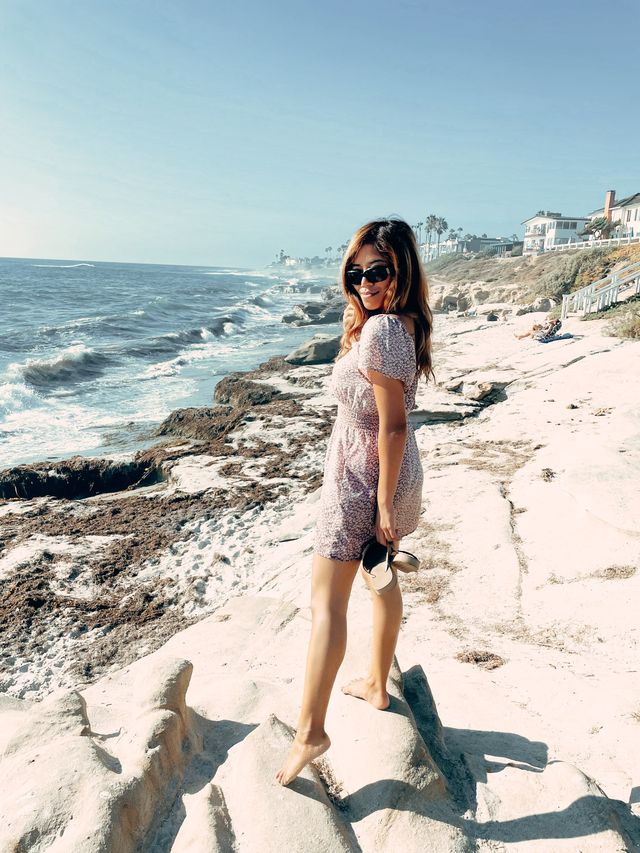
(392, 437)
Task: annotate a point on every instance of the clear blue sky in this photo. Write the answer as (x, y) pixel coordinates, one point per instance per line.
(219, 132)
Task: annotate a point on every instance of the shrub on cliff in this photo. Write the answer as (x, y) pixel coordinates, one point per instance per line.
(574, 271)
(626, 324)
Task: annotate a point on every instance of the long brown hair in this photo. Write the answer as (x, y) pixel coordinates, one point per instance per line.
(408, 292)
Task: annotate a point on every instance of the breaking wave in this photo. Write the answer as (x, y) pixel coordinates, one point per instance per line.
(77, 363)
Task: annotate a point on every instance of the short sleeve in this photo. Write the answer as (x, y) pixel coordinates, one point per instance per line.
(386, 346)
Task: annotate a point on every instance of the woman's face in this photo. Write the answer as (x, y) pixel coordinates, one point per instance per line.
(372, 295)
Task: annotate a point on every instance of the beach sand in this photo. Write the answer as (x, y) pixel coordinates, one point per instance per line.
(167, 627)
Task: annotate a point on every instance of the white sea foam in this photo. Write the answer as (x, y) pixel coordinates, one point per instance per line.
(253, 273)
(62, 266)
(15, 396)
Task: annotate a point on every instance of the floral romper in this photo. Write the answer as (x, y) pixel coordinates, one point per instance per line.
(348, 501)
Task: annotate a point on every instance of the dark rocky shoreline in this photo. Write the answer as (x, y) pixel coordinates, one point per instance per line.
(135, 512)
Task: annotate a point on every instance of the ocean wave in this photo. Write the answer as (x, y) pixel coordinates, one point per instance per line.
(262, 300)
(62, 266)
(244, 273)
(78, 323)
(77, 363)
(172, 342)
(214, 352)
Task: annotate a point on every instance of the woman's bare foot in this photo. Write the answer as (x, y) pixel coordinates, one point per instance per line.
(365, 688)
(301, 753)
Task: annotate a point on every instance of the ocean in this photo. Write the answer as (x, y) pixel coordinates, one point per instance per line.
(93, 356)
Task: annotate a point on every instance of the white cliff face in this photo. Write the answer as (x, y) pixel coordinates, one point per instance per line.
(515, 715)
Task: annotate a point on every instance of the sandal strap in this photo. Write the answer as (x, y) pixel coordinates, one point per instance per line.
(400, 551)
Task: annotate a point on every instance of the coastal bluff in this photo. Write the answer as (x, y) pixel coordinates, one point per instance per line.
(154, 637)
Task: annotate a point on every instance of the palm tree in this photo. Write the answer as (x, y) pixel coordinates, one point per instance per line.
(430, 226)
(419, 227)
(440, 228)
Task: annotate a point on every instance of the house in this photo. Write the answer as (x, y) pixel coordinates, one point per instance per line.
(547, 229)
(626, 212)
(500, 245)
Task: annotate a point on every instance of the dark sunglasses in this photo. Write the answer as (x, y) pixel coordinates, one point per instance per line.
(373, 275)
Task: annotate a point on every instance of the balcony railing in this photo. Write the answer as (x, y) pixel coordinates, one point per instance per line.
(592, 244)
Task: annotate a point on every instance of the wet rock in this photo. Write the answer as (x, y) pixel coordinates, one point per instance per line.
(238, 391)
(330, 310)
(202, 423)
(76, 477)
(321, 349)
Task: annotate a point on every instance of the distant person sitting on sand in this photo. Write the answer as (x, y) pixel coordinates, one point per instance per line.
(372, 487)
(540, 331)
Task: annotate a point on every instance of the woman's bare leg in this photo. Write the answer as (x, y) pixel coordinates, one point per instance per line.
(331, 582)
(387, 617)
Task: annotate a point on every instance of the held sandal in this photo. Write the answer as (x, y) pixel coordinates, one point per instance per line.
(405, 561)
(377, 567)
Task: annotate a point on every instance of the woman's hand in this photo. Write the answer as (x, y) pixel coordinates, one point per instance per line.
(386, 530)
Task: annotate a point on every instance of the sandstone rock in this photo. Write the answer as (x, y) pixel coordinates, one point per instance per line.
(543, 304)
(272, 818)
(207, 823)
(321, 349)
(464, 302)
(449, 303)
(479, 296)
(407, 804)
(137, 763)
(76, 788)
(482, 390)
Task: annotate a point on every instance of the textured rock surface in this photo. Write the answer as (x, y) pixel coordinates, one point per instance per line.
(321, 349)
(74, 478)
(177, 755)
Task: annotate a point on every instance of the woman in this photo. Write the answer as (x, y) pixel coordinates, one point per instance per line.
(542, 331)
(372, 476)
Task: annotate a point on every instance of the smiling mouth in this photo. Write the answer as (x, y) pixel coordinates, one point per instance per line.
(369, 292)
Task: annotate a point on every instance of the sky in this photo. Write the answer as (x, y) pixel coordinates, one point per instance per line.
(217, 133)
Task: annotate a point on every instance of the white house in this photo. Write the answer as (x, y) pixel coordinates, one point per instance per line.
(547, 229)
(626, 212)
